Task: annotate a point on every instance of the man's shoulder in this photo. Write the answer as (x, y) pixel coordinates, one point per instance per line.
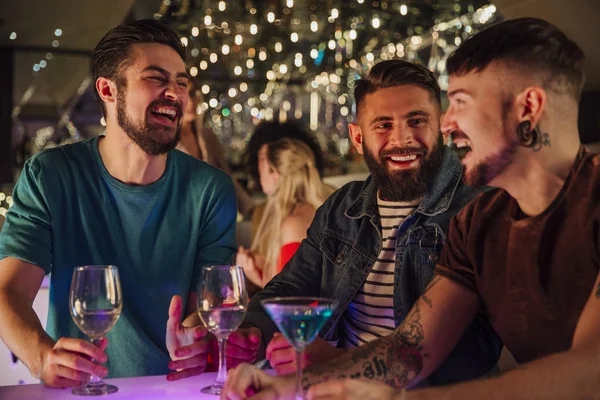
(485, 205)
(198, 170)
(61, 156)
(350, 191)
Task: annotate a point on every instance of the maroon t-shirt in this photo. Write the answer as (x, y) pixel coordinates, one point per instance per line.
(533, 275)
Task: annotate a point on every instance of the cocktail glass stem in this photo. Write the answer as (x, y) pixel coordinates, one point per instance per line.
(222, 374)
(299, 391)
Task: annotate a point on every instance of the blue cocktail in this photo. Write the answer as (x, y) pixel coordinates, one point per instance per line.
(299, 319)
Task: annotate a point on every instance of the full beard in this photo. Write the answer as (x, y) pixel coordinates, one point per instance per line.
(153, 140)
(406, 185)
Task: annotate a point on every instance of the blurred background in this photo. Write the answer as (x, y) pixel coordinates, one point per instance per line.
(252, 61)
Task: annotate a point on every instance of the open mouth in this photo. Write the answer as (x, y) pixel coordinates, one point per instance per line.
(165, 114)
(402, 160)
(461, 144)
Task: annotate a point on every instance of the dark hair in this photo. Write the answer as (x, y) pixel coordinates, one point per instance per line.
(112, 53)
(271, 131)
(392, 73)
(528, 42)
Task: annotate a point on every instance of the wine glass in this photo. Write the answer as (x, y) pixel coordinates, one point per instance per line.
(299, 319)
(95, 302)
(222, 302)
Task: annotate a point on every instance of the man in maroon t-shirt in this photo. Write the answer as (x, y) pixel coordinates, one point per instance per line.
(526, 253)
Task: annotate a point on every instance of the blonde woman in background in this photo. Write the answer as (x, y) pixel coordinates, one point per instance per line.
(294, 190)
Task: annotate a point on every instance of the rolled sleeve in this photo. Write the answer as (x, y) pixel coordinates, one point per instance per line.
(27, 231)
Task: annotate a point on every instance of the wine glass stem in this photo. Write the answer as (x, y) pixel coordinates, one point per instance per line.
(299, 391)
(222, 374)
(94, 379)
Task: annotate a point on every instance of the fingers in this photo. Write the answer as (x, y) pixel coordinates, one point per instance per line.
(243, 381)
(201, 347)
(175, 311)
(74, 362)
(186, 373)
(278, 342)
(70, 374)
(327, 391)
(245, 338)
(239, 353)
(82, 346)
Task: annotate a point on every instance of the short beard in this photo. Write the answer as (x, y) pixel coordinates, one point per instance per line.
(493, 165)
(405, 185)
(143, 134)
(484, 172)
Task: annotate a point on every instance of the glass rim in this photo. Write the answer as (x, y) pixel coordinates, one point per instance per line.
(223, 267)
(94, 267)
(294, 298)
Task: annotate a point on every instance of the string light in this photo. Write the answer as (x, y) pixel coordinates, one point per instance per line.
(271, 17)
(403, 9)
(294, 37)
(222, 6)
(314, 26)
(253, 29)
(12, 36)
(207, 20)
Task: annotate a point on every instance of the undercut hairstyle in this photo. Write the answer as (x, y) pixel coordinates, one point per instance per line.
(530, 43)
(112, 54)
(386, 74)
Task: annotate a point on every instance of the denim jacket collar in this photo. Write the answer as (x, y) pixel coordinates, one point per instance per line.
(435, 201)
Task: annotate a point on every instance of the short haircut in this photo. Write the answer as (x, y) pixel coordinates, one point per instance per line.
(393, 73)
(270, 131)
(112, 53)
(530, 43)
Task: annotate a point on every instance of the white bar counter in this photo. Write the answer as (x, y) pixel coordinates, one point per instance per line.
(146, 388)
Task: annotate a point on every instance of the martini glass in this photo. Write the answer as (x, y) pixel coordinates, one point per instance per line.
(299, 319)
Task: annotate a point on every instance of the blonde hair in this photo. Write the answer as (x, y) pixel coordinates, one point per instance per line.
(299, 182)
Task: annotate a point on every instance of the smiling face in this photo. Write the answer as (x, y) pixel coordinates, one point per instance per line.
(480, 118)
(152, 94)
(398, 133)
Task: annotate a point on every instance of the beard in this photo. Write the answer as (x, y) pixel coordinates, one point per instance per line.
(405, 185)
(492, 166)
(152, 139)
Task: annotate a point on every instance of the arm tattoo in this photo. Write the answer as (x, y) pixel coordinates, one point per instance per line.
(395, 360)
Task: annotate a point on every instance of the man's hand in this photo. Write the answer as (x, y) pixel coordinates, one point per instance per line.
(242, 346)
(187, 346)
(68, 363)
(282, 355)
(351, 389)
(245, 381)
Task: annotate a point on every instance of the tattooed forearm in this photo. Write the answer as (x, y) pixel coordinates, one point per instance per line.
(396, 360)
(434, 280)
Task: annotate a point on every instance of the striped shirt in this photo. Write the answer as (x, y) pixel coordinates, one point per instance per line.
(370, 315)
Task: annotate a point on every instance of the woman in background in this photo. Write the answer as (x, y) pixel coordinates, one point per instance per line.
(291, 181)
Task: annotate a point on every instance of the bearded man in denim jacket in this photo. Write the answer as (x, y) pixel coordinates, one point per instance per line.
(373, 245)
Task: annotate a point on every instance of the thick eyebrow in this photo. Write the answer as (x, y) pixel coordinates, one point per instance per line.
(459, 91)
(166, 73)
(380, 119)
(416, 113)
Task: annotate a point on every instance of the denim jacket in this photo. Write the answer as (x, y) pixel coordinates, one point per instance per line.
(342, 245)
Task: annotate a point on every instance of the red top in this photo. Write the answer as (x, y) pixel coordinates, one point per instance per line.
(286, 253)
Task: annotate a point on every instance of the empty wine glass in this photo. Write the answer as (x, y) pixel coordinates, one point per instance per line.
(299, 319)
(222, 302)
(95, 302)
